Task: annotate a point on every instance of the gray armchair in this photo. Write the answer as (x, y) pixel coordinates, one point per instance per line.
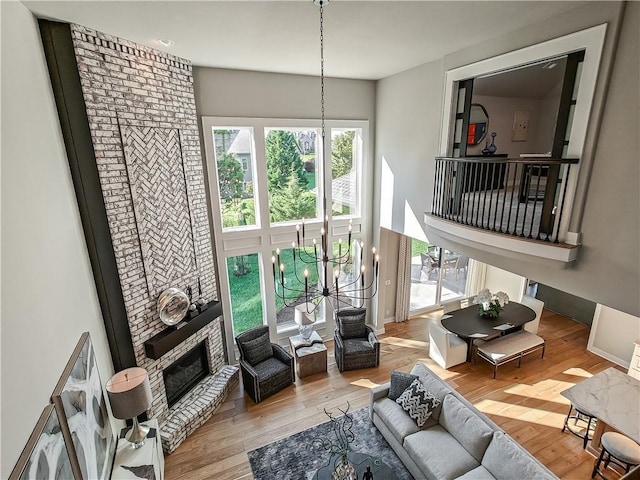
(355, 343)
(266, 367)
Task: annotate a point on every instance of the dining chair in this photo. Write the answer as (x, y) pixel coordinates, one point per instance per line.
(537, 306)
(429, 262)
(445, 347)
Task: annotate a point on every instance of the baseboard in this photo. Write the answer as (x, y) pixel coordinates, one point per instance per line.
(608, 356)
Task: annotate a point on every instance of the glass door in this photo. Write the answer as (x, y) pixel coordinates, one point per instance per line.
(437, 276)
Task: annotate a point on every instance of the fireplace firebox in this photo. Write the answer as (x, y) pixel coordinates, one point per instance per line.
(185, 373)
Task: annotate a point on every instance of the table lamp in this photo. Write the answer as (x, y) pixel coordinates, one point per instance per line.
(305, 320)
(129, 394)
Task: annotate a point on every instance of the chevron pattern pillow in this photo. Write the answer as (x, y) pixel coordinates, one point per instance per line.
(418, 402)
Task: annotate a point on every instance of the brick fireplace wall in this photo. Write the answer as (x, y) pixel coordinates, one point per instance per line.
(142, 118)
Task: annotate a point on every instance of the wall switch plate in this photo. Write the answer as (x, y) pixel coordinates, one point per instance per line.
(520, 126)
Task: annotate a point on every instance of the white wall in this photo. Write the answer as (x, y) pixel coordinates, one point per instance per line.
(409, 109)
(613, 333)
(501, 111)
(547, 119)
(48, 291)
(498, 280)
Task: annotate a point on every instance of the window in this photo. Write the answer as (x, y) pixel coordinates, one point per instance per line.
(291, 174)
(346, 148)
(245, 292)
(266, 175)
(233, 151)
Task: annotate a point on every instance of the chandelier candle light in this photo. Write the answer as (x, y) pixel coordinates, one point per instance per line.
(357, 289)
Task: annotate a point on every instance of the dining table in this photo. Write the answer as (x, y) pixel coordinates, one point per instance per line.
(613, 397)
(469, 325)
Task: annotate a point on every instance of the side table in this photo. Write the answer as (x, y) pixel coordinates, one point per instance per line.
(310, 356)
(144, 462)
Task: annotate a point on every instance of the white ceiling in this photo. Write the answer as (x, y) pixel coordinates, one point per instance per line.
(363, 39)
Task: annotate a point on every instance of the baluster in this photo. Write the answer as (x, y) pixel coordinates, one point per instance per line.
(484, 193)
(493, 179)
(474, 212)
(504, 197)
(466, 192)
(526, 197)
(535, 203)
(434, 199)
(515, 222)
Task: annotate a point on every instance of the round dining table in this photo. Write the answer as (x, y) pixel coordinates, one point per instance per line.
(469, 325)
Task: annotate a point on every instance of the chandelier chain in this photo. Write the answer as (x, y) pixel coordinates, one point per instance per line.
(322, 69)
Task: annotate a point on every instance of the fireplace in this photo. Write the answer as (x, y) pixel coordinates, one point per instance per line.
(185, 373)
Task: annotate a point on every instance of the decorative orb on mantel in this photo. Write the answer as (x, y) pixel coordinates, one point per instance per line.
(173, 305)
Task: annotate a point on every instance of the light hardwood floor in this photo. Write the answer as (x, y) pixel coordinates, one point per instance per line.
(525, 402)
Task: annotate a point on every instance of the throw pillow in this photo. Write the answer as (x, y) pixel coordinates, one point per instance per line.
(400, 381)
(418, 402)
(351, 324)
(258, 349)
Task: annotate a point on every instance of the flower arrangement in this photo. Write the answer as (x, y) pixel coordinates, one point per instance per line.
(343, 429)
(489, 304)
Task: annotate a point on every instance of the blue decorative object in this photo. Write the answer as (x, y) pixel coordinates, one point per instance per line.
(492, 148)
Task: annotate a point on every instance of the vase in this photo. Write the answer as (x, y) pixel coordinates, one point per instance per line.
(492, 148)
(344, 470)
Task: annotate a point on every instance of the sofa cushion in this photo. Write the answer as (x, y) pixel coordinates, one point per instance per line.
(395, 418)
(400, 381)
(258, 349)
(505, 459)
(438, 454)
(478, 473)
(418, 402)
(436, 386)
(462, 422)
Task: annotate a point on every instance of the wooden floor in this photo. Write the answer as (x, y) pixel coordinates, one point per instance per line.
(525, 402)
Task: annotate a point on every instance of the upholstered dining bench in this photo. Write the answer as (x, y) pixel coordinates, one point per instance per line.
(509, 347)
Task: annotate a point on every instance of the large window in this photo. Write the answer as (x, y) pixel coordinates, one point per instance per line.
(265, 176)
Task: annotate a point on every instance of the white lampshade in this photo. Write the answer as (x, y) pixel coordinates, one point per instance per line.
(301, 317)
(129, 393)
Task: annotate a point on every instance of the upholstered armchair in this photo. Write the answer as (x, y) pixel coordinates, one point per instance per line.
(355, 343)
(266, 367)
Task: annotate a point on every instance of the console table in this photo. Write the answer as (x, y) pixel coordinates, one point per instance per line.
(144, 462)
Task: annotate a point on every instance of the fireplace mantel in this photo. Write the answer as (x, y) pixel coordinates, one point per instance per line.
(171, 337)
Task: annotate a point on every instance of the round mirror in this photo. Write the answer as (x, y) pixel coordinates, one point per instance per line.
(478, 124)
(173, 305)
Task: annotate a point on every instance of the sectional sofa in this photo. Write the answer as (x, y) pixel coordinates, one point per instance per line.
(457, 441)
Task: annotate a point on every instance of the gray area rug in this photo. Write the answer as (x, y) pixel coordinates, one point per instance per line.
(297, 457)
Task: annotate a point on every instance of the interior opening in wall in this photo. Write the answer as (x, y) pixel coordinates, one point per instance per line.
(521, 106)
(185, 373)
(555, 184)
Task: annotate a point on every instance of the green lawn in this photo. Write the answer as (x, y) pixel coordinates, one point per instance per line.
(246, 300)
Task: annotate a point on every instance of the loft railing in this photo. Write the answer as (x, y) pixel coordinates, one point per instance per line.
(515, 196)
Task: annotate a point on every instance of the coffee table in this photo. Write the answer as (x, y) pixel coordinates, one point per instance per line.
(361, 461)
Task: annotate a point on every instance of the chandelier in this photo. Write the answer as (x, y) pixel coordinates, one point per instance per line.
(323, 259)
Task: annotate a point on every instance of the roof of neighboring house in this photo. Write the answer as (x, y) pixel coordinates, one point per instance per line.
(343, 189)
(241, 144)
